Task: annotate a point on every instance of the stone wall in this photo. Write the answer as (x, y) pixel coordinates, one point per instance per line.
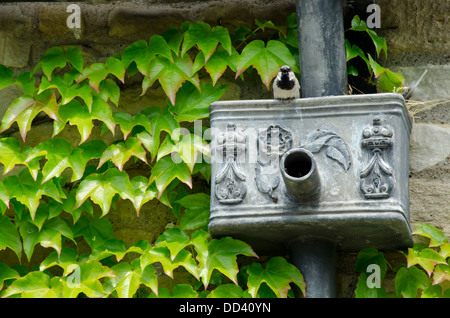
(418, 40)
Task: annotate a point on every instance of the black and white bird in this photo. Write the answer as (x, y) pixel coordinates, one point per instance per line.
(286, 85)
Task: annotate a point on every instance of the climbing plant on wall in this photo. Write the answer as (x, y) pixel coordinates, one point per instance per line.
(41, 204)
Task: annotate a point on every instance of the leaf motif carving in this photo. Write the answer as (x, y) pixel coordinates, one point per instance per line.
(336, 147)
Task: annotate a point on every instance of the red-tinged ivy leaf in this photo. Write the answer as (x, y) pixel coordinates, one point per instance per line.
(165, 171)
(445, 250)
(121, 152)
(29, 191)
(175, 240)
(9, 236)
(101, 188)
(142, 192)
(427, 258)
(441, 274)
(187, 148)
(437, 237)
(142, 54)
(127, 122)
(6, 77)
(67, 260)
(197, 212)
(266, 59)
(7, 273)
(277, 274)
(86, 279)
(25, 108)
(192, 104)
(171, 75)
(206, 39)
(409, 280)
(76, 114)
(35, 285)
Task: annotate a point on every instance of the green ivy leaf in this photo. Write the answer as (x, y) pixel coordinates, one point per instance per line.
(270, 25)
(171, 75)
(101, 188)
(277, 274)
(129, 278)
(29, 191)
(437, 237)
(173, 37)
(109, 91)
(178, 291)
(266, 59)
(218, 254)
(445, 250)
(162, 256)
(66, 259)
(409, 280)
(108, 248)
(7, 273)
(175, 240)
(121, 152)
(142, 54)
(25, 108)
(86, 279)
(142, 192)
(192, 104)
(206, 39)
(97, 72)
(10, 153)
(6, 77)
(35, 285)
(360, 25)
(80, 156)
(50, 234)
(95, 231)
(75, 114)
(227, 291)
(387, 80)
(161, 120)
(197, 211)
(127, 122)
(53, 58)
(166, 170)
(368, 257)
(9, 237)
(187, 149)
(363, 290)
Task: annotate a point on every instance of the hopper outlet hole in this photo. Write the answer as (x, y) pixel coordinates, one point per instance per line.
(298, 164)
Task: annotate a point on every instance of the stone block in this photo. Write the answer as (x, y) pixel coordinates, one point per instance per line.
(142, 23)
(430, 145)
(53, 22)
(14, 37)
